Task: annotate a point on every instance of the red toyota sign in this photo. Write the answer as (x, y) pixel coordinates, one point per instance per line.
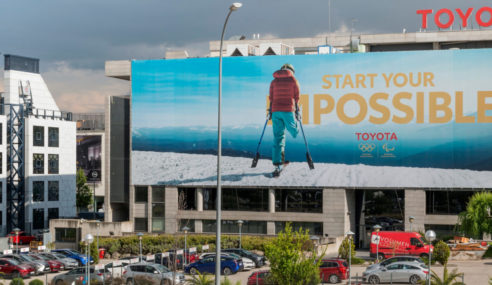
(480, 17)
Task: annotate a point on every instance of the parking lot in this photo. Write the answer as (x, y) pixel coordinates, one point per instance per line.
(475, 272)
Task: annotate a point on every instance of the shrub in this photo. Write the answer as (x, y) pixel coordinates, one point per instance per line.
(344, 251)
(488, 252)
(36, 282)
(357, 260)
(17, 281)
(441, 252)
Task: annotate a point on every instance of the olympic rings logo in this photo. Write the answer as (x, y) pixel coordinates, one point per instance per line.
(367, 147)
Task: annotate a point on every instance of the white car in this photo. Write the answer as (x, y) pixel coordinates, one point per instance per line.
(248, 263)
(117, 268)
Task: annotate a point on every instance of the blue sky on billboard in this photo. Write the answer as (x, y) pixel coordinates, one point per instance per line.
(73, 39)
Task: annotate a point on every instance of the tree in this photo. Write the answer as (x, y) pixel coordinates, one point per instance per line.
(441, 252)
(447, 278)
(475, 221)
(293, 259)
(343, 250)
(84, 193)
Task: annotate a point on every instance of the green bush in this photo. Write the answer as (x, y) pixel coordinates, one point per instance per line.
(347, 247)
(36, 282)
(17, 281)
(441, 252)
(357, 260)
(488, 252)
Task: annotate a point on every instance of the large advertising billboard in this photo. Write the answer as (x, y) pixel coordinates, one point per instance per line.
(89, 156)
(393, 119)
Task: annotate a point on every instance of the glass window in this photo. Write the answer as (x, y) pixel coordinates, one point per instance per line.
(237, 199)
(1, 218)
(65, 234)
(158, 194)
(385, 208)
(209, 197)
(53, 190)
(141, 194)
(38, 136)
(1, 133)
(53, 137)
(1, 160)
(141, 224)
(38, 163)
(231, 226)
(157, 209)
(1, 192)
(38, 191)
(53, 213)
(314, 228)
(187, 198)
(38, 219)
(158, 225)
(446, 202)
(187, 223)
(302, 200)
(52, 163)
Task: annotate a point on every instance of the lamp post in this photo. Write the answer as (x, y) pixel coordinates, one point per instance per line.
(185, 230)
(98, 225)
(349, 235)
(377, 228)
(88, 239)
(430, 235)
(140, 235)
(240, 225)
(17, 231)
(314, 240)
(411, 219)
(232, 8)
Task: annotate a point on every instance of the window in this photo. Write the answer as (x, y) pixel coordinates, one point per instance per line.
(38, 219)
(237, 199)
(53, 190)
(38, 136)
(1, 161)
(38, 163)
(38, 191)
(302, 200)
(158, 223)
(187, 198)
(446, 202)
(209, 196)
(231, 226)
(141, 194)
(1, 218)
(65, 234)
(1, 128)
(53, 213)
(52, 163)
(158, 194)
(1, 192)
(313, 227)
(187, 223)
(415, 242)
(141, 224)
(53, 137)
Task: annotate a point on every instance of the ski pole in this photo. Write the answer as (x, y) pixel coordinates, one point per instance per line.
(308, 155)
(257, 155)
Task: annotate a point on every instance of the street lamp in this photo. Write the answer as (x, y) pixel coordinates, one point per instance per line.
(17, 231)
(349, 235)
(411, 219)
(185, 230)
(98, 225)
(377, 228)
(314, 240)
(140, 235)
(232, 8)
(430, 235)
(88, 239)
(240, 225)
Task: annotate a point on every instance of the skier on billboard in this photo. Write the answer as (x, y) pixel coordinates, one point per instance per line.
(283, 111)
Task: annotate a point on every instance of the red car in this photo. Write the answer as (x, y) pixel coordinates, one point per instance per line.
(55, 265)
(14, 269)
(21, 238)
(258, 277)
(333, 270)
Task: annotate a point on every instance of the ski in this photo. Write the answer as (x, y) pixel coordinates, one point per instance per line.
(308, 155)
(276, 173)
(257, 155)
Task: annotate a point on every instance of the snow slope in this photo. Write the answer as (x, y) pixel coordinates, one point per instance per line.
(168, 168)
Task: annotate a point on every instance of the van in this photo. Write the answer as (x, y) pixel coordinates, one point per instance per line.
(390, 243)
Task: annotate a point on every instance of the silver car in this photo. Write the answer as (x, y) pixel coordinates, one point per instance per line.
(402, 258)
(405, 272)
(68, 263)
(117, 267)
(150, 273)
(77, 275)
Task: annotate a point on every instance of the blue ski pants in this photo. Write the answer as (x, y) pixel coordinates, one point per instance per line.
(282, 121)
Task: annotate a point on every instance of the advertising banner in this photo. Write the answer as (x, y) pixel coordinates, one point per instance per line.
(89, 156)
(389, 119)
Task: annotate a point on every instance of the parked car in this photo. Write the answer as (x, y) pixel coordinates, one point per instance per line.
(407, 272)
(398, 243)
(403, 258)
(333, 270)
(171, 261)
(259, 278)
(14, 269)
(81, 258)
(39, 267)
(190, 257)
(228, 265)
(68, 263)
(247, 263)
(116, 268)
(21, 238)
(151, 273)
(257, 259)
(54, 265)
(77, 275)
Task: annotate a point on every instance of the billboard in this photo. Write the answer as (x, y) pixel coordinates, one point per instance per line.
(393, 119)
(89, 156)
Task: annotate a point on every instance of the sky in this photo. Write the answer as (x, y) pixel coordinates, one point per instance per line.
(73, 39)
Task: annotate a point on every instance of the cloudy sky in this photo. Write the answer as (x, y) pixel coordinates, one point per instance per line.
(74, 38)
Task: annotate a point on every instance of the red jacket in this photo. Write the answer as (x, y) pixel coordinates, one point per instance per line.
(284, 91)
